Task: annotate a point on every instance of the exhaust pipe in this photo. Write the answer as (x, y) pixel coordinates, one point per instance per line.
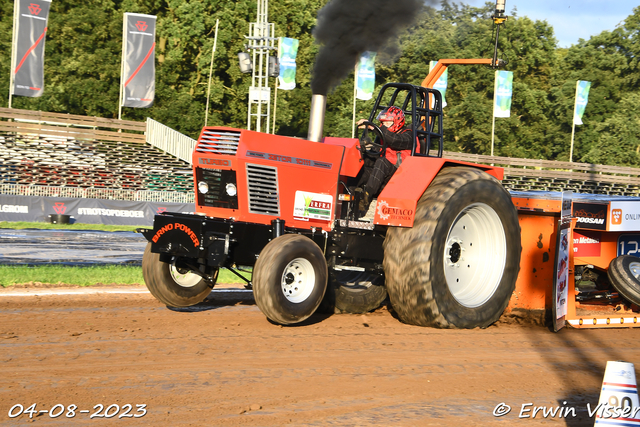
(316, 119)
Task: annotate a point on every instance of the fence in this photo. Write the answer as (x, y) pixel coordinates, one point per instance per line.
(97, 193)
(71, 126)
(556, 170)
(169, 140)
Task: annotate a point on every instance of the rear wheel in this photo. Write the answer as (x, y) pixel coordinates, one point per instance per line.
(172, 285)
(457, 266)
(624, 274)
(289, 279)
(357, 292)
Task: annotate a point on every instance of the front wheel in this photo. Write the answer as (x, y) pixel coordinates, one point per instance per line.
(457, 266)
(172, 285)
(289, 279)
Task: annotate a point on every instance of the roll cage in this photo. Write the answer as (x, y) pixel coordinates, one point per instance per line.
(422, 108)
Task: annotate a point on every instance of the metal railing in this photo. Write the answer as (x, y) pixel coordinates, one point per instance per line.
(97, 193)
(169, 140)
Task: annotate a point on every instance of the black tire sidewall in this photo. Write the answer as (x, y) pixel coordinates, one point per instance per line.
(358, 301)
(157, 275)
(476, 191)
(268, 290)
(623, 280)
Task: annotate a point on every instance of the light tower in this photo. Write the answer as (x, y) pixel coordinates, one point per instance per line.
(261, 42)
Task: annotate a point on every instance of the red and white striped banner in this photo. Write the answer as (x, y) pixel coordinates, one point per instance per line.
(29, 31)
(138, 71)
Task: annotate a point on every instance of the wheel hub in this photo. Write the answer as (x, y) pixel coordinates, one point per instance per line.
(298, 280)
(454, 249)
(183, 277)
(634, 267)
(475, 255)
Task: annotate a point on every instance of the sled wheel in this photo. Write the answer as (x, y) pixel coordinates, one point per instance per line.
(457, 266)
(357, 292)
(624, 274)
(171, 285)
(289, 279)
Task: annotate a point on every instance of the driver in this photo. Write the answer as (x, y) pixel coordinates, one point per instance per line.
(378, 171)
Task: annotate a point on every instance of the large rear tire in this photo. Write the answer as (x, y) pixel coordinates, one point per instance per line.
(457, 266)
(289, 279)
(171, 285)
(624, 274)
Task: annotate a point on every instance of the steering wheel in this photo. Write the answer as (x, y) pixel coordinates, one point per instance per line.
(368, 147)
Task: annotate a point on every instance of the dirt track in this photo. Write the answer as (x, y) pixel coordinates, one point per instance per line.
(222, 363)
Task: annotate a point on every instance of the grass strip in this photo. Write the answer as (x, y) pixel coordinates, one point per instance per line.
(82, 276)
(85, 276)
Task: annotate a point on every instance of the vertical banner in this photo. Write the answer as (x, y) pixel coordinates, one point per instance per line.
(502, 94)
(366, 76)
(287, 53)
(560, 291)
(30, 28)
(139, 69)
(582, 97)
(442, 83)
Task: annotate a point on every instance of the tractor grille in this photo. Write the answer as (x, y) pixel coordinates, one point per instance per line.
(219, 142)
(217, 181)
(262, 182)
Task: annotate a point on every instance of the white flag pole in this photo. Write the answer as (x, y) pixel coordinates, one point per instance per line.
(275, 95)
(573, 121)
(355, 86)
(14, 48)
(213, 52)
(493, 134)
(275, 106)
(124, 46)
(493, 126)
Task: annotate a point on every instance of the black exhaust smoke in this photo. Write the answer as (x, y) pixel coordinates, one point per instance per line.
(347, 28)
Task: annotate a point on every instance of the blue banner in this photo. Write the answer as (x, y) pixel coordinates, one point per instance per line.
(502, 94)
(441, 84)
(287, 53)
(582, 97)
(366, 76)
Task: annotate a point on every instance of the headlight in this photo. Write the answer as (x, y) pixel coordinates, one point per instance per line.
(203, 187)
(231, 190)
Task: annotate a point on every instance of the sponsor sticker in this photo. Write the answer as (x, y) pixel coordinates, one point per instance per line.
(591, 216)
(289, 159)
(312, 206)
(586, 244)
(386, 212)
(625, 216)
(177, 226)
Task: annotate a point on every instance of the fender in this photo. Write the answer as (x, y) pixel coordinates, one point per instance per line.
(398, 201)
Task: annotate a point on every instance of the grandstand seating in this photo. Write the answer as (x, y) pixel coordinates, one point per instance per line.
(62, 161)
(69, 151)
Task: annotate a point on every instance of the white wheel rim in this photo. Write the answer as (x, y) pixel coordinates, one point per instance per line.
(186, 280)
(298, 280)
(475, 255)
(634, 267)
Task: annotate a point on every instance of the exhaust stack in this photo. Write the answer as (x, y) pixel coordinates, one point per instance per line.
(316, 118)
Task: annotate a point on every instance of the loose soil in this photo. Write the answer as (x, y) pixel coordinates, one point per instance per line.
(223, 363)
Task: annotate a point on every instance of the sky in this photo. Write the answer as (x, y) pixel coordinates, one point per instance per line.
(571, 19)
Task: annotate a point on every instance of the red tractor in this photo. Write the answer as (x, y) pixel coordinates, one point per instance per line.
(443, 240)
